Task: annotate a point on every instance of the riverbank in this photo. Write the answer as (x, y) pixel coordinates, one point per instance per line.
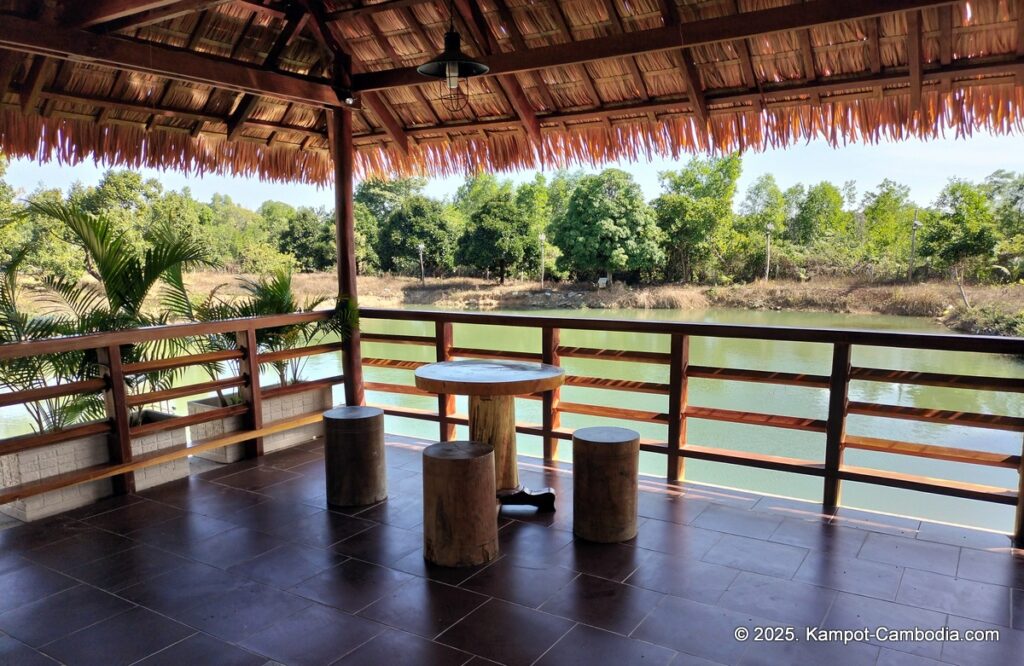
(996, 309)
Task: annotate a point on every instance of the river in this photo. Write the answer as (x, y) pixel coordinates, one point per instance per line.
(748, 354)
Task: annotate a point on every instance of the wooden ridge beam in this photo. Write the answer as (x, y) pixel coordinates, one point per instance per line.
(167, 13)
(915, 59)
(695, 33)
(77, 45)
(95, 12)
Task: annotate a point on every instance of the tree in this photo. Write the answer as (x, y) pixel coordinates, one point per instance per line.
(820, 212)
(477, 190)
(309, 237)
(696, 202)
(367, 233)
(498, 236)
(419, 219)
(888, 220)
(762, 222)
(382, 196)
(962, 230)
(607, 227)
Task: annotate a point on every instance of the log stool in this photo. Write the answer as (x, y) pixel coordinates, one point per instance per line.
(605, 464)
(354, 456)
(460, 523)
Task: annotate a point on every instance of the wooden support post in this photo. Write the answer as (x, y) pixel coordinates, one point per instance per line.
(552, 418)
(341, 150)
(838, 388)
(1018, 521)
(915, 59)
(677, 401)
(116, 400)
(445, 401)
(250, 391)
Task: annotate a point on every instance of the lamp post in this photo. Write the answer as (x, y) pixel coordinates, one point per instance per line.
(768, 250)
(913, 247)
(543, 238)
(423, 275)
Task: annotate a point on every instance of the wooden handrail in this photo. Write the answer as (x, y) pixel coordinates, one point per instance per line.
(48, 392)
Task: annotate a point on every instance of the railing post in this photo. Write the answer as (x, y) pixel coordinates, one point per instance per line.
(115, 399)
(838, 388)
(445, 402)
(551, 418)
(249, 392)
(1018, 521)
(678, 395)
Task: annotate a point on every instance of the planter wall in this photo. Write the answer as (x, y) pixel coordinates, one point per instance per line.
(77, 454)
(317, 399)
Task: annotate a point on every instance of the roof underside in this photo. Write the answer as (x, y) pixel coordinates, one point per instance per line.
(244, 86)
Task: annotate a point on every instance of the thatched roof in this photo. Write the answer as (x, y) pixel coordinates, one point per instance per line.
(117, 80)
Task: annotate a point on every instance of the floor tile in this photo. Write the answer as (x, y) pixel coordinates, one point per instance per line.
(174, 592)
(697, 629)
(30, 583)
(1001, 567)
(525, 582)
(127, 568)
(966, 598)
(352, 585)
(887, 657)
(179, 534)
(241, 611)
(398, 647)
(786, 601)
(683, 577)
(756, 555)
(201, 649)
(775, 653)
(961, 536)
(821, 536)
(913, 553)
(86, 546)
(525, 540)
(16, 653)
(271, 516)
(670, 507)
(423, 607)
(232, 547)
(876, 522)
(852, 610)
(382, 544)
(507, 633)
(286, 566)
(405, 512)
(40, 533)
(612, 561)
(121, 639)
(586, 646)
(60, 614)
(677, 540)
(256, 478)
(742, 522)
(1002, 652)
(326, 635)
(414, 564)
(137, 515)
(603, 603)
(321, 529)
(849, 574)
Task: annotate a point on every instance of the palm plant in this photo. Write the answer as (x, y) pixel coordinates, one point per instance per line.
(34, 372)
(125, 279)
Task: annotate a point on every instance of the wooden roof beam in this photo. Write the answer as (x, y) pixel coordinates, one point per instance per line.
(915, 59)
(874, 45)
(634, 69)
(945, 35)
(95, 12)
(10, 62)
(366, 10)
(563, 25)
(396, 58)
(66, 44)
(519, 43)
(694, 33)
(34, 81)
(171, 11)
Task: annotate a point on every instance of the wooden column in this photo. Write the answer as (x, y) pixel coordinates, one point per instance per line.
(1018, 521)
(678, 394)
(340, 125)
(116, 400)
(445, 401)
(552, 418)
(838, 387)
(250, 391)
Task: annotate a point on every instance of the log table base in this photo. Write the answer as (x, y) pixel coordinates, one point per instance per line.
(492, 420)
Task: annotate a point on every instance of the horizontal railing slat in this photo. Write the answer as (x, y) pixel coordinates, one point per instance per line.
(299, 352)
(34, 441)
(182, 391)
(929, 485)
(932, 452)
(48, 392)
(973, 382)
(941, 416)
(470, 352)
(188, 420)
(300, 387)
(758, 376)
(182, 361)
(395, 339)
(614, 355)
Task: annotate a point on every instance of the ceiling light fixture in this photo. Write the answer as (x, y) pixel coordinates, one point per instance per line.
(451, 66)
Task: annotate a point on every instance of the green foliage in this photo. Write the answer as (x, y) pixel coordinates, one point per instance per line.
(819, 213)
(367, 233)
(693, 212)
(497, 236)
(608, 227)
(962, 229)
(309, 237)
(381, 197)
(416, 220)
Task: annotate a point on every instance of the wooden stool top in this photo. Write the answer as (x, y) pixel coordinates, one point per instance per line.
(457, 451)
(353, 413)
(606, 435)
(488, 378)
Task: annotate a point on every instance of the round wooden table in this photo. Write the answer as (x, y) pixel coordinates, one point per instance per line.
(491, 387)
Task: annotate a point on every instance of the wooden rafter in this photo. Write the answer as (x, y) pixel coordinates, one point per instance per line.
(172, 11)
(10, 62)
(741, 46)
(634, 69)
(696, 33)
(915, 59)
(67, 44)
(687, 66)
(945, 35)
(89, 14)
(343, 63)
(366, 10)
(396, 59)
(519, 43)
(34, 81)
(874, 45)
(563, 26)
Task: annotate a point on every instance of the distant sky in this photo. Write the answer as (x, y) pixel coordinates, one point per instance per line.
(924, 166)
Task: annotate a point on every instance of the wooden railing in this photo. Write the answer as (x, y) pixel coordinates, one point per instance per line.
(676, 447)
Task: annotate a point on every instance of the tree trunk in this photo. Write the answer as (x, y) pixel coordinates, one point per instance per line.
(609, 276)
(958, 275)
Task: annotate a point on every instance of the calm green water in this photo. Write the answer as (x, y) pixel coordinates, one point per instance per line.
(751, 354)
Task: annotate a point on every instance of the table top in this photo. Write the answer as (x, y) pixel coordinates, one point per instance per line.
(485, 377)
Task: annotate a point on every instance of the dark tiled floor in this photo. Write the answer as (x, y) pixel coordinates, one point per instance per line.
(245, 564)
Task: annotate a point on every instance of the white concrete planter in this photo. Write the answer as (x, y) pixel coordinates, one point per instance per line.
(317, 399)
(71, 456)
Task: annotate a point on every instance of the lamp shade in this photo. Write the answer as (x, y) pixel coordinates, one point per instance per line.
(453, 55)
